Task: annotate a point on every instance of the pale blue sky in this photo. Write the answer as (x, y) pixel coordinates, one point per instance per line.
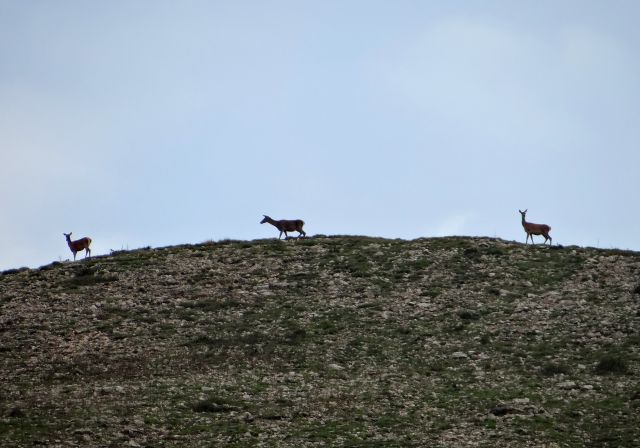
(163, 122)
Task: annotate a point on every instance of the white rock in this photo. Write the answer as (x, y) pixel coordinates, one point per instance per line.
(567, 385)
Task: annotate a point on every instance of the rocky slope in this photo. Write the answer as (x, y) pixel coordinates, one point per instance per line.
(341, 341)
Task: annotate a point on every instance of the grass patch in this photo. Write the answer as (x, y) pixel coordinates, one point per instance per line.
(88, 276)
(552, 369)
(212, 304)
(468, 315)
(544, 268)
(214, 405)
(14, 271)
(611, 364)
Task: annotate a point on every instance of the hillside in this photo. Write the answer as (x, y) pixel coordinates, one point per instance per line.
(340, 341)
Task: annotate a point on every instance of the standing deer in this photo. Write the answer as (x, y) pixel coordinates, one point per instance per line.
(535, 229)
(286, 225)
(78, 245)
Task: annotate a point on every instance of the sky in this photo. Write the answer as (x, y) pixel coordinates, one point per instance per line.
(154, 123)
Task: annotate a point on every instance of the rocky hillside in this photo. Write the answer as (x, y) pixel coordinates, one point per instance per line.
(341, 341)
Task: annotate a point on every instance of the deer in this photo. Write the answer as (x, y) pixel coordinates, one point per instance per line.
(78, 245)
(286, 225)
(535, 229)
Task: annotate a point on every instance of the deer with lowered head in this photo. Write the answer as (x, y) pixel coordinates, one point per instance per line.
(535, 229)
(286, 225)
(78, 245)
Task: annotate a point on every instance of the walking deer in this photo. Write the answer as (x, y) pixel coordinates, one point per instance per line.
(78, 245)
(535, 229)
(286, 225)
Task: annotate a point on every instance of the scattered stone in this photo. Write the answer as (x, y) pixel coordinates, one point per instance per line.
(223, 324)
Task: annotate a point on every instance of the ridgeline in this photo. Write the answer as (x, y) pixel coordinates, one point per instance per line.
(324, 341)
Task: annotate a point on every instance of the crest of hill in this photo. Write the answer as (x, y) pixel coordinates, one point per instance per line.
(327, 340)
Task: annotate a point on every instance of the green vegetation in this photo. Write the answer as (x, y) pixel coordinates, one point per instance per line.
(608, 364)
(86, 276)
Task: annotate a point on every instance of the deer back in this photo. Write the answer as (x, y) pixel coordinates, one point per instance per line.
(290, 225)
(82, 243)
(537, 229)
